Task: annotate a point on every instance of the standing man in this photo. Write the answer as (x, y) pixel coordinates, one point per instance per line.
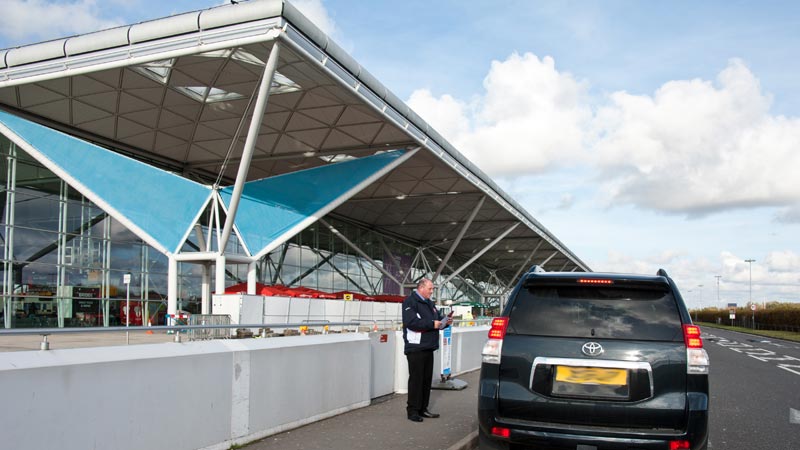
(421, 324)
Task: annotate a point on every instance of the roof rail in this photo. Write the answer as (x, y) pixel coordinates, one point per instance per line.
(536, 269)
(662, 273)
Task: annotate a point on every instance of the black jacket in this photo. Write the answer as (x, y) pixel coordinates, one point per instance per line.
(418, 315)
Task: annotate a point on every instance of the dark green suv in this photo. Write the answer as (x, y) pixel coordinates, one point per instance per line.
(590, 361)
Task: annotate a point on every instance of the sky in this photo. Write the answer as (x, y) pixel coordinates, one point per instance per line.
(643, 135)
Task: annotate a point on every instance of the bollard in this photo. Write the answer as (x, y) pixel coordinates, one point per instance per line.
(178, 336)
(44, 345)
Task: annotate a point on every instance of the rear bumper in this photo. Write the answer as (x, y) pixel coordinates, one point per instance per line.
(552, 441)
(557, 435)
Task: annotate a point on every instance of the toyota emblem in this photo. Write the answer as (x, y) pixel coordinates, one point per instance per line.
(592, 349)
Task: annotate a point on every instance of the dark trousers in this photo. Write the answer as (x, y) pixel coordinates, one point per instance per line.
(420, 375)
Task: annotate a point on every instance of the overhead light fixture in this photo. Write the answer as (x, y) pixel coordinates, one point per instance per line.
(336, 158)
(401, 197)
(155, 70)
(511, 250)
(207, 94)
(309, 154)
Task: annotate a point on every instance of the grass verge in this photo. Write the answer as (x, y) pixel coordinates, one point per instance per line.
(787, 335)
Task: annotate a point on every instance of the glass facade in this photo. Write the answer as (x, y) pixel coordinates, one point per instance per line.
(64, 258)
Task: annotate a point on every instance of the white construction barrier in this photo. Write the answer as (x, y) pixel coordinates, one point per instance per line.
(206, 394)
(201, 394)
(252, 309)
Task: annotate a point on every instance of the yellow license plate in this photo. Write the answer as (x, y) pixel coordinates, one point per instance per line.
(592, 375)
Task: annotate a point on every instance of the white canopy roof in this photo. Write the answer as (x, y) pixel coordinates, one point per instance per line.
(173, 92)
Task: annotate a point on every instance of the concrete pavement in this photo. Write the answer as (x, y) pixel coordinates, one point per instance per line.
(81, 340)
(383, 425)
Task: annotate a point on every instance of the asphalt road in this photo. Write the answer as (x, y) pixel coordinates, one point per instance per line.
(755, 391)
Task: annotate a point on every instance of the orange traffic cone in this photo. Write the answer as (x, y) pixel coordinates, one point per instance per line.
(375, 326)
(149, 324)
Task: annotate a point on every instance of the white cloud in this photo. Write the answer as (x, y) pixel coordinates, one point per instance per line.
(789, 214)
(783, 261)
(530, 118)
(694, 147)
(316, 12)
(29, 20)
(566, 202)
(697, 147)
(774, 279)
(447, 115)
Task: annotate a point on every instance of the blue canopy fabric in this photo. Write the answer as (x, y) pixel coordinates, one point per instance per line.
(274, 209)
(159, 206)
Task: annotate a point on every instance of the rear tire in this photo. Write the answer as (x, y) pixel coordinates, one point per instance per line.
(487, 443)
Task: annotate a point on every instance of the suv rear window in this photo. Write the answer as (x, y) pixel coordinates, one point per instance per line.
(596, 312)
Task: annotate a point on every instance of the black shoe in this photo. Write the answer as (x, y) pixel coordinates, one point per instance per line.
(414, 418)
(429, 415)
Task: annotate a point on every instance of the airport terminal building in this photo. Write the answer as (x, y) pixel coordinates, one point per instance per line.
(234, 145)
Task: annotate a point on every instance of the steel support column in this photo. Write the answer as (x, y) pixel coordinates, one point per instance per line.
(172, 286)
(548, 259)
(360, 252)
(458, 239)
(524, 265)
(480, 253)
(219, 279)
(205, 289)
(251, 278)
(250, 144)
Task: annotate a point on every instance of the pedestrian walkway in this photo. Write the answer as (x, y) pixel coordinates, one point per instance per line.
(383, 425)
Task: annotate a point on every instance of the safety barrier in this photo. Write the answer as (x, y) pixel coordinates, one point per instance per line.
(196, 334)
(221, 393)
(179, 329)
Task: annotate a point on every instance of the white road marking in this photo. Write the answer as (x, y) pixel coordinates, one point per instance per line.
(763, 355)
(795, 369)
(794, 416)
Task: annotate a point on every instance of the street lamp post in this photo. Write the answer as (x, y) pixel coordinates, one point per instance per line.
(750, 263)
(717, 277)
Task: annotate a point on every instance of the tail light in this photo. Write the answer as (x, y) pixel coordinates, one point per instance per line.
(691, 335)
(675, 445)
(494, 346)
(499, 326)
(595, 281)
(696, 356)
(501, 432)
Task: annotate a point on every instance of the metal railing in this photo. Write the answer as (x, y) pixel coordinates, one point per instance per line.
(178, 329)
(458, 323)
(210, 326)
(208, 333)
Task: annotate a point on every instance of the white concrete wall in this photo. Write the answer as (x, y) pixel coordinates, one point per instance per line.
(248, 309)
(467, 345)
(203, 394)
(206, 394)
(382, 357)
